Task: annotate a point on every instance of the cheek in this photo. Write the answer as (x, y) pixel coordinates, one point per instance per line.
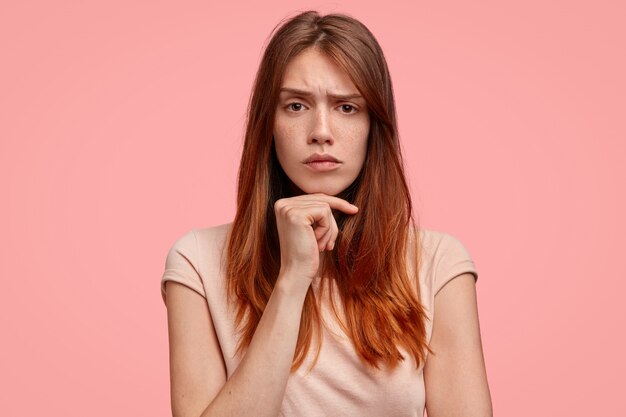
(358, 135)
(285, 136)
(360, 144)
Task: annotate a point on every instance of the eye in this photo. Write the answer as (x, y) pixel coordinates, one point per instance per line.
(350, 107)
(296, 109)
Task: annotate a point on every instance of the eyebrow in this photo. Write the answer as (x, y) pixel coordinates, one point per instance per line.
(308, 93)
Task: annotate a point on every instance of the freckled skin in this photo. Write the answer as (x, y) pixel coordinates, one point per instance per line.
(320, 124)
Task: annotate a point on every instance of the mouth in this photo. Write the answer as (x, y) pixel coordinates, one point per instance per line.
(323, 165)
(317, 158)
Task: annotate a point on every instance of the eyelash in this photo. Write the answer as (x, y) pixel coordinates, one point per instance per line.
(350, 105)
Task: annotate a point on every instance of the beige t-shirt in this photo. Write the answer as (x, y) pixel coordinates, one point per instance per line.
(339, 384)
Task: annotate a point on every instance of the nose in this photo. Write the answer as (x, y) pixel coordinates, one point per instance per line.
(321, 131)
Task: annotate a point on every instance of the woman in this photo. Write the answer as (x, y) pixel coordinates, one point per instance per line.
(318, 299)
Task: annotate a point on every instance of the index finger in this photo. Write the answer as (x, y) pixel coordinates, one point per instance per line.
(333, 202)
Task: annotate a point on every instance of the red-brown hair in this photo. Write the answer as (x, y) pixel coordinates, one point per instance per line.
(368, 265)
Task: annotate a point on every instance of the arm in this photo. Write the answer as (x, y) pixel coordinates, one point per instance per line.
(455, 376)
(306, 227)
(198, 375)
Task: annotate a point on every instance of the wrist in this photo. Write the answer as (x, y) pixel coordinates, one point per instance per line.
(291, 283)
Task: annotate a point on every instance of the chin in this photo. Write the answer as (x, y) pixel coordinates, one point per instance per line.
(313, 189)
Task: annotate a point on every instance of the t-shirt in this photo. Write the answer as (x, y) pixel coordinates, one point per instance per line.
(339, 384)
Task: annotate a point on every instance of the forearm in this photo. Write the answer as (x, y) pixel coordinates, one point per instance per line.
(257, 386)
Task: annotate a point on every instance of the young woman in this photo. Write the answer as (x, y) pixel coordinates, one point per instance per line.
(319, 299)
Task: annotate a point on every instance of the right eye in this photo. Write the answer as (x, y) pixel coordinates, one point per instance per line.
(297, 109)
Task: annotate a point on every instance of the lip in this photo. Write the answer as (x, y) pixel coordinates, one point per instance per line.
(316, 157)
(323, 165)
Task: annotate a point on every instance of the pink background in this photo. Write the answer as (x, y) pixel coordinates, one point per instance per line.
(121, 128)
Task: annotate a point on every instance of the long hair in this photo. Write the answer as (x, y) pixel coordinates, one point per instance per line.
(368, 265)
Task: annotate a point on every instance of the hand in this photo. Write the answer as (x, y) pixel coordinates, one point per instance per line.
(306, 227)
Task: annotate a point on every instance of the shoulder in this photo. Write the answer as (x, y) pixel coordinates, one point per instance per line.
(210, 243)
(444, 256)
(195, 257)
(441, 244)
(191, 239)
(213, 235)
(432, 243)
(437, 240)
(192, 247)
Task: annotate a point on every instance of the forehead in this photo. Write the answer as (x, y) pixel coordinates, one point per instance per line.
(314, 70)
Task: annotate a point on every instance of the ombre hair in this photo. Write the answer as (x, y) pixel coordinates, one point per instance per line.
(380, 299)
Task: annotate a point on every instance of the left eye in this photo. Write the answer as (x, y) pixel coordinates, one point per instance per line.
(350, 107)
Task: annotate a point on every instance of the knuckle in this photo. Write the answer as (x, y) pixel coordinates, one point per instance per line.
(290, 214)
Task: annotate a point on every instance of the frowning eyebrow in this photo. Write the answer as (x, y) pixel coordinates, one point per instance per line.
(305, 93)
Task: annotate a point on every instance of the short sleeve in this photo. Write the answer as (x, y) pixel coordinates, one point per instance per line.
(452, 260)
(181, 264)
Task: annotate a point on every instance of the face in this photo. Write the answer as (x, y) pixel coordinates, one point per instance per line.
(320, 111)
